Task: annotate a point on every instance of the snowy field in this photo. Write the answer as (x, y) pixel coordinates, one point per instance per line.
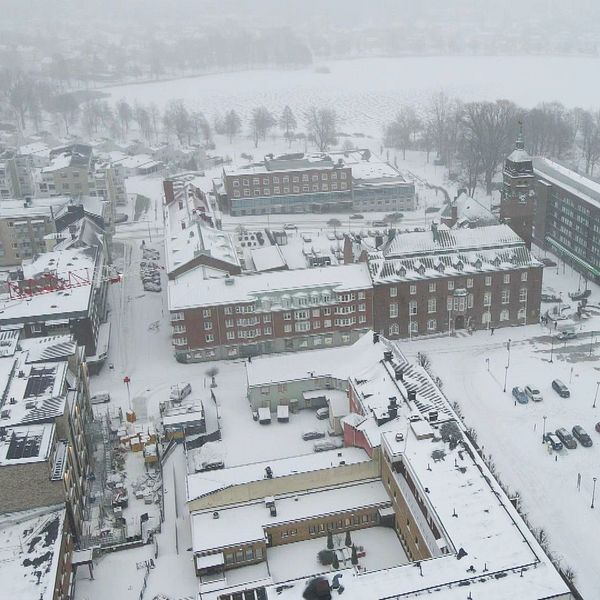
(512, 434)
(367, 92)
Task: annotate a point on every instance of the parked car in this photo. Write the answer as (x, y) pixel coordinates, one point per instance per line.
(568, 334)
(551, 439)
(580, 434)
(100, 398)
(290, 227)
(323, 413)
(330, 444)
(520, 395)
(547, 262)
(560, 388)
(597, 428)
(357, 216)
(533, 393)
(379, 224)
(566, 438)
(550, 298)
(313, 435)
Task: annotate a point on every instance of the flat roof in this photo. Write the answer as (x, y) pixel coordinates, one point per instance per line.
(340, 362)
(191, 290)
(34, 392)
(38, 207)
(79, 261)
(202, 484)
(579, 185)
(26, 444)
(30, 556)
(246, 522)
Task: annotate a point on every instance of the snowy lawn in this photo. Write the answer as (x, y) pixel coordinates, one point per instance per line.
(511, 434)
(292, 561)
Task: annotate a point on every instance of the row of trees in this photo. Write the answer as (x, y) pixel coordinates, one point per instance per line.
(473, 138)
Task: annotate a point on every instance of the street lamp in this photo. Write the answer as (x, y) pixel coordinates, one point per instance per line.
(505, 376)
(544, 431)
(552, 348)
(508, 350)
(596, 394)
(449, 322)
(594, 492)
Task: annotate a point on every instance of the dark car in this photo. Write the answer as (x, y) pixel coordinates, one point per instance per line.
(551, 439)
(566, 438)
(312, 435)
(520, 395)
(560, 388)
(580, 434)
(597, 428)
(357, 216)
(547, 262)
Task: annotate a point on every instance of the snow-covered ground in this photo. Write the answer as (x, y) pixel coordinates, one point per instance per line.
(511, 434)
(367, 92)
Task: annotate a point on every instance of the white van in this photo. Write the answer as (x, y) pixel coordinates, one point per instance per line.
(100, 398)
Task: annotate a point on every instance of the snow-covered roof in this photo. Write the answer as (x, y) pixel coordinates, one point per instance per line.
(34, 392)
(190, 291)
(81, 262)
(575, 183)
(339, 363)
(474, 210)
(39, 207)
(268, 258)
(419, 243)
(201, 484)
(38, 148)
(26, 444)
(246, 523)
(30, 552)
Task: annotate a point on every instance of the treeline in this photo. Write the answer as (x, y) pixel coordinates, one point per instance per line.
(472, 139)
(153, 58)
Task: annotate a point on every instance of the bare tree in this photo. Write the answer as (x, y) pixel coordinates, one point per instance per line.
(154, 114)
(65, 106)
(231, 124)
(260, 123)
(322, 126)
(590, 139)
(490, 128)
(400, 133)
(177, 120)
(125, 114)
(18, 88)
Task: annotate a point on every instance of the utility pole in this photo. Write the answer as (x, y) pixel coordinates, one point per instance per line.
(593, 492)
(544, 431)
(596, 394)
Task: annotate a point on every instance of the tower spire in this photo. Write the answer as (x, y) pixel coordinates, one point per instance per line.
(520, 143)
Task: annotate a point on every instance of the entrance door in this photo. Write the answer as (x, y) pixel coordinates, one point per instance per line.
(459, 322)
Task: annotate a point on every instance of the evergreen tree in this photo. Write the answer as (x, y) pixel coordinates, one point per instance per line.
(348, 541)
(354, 558)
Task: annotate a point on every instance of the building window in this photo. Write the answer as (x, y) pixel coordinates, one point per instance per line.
(488, 280)
(361, 295)
(317, 325)
(246, 192)
(506, 278)
(431, 305)
(327, 323)
(412, 308)
(276, 190)
(470, 301)
(178, 316)
(413, 327)
(431, 325)
(342, 175)
(287, 316)
(469, 282)
(256, 181)
(432, 287)
(394, 329)
(413, 290)
(505, 296)
(393, 292)
(343, 186)
(393, 310)
(206, 313)
(287, 329)
(275, 179)
(315, 187)
(524, 276)
(486, 318)
(207, 325)
(236, 183)
(504, 316)
(236, 194)
(487, 299)
(302, 326)
(228, 310)
(523, 295)
(210, 338)
(231, 335)
(268, 331)
(362, 307)
(257, 192)
(449, 303)
(362, 319)
(450, 285)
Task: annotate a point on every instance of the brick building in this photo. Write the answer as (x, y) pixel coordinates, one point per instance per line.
(273, 312)
(297, 183)
(445, 280)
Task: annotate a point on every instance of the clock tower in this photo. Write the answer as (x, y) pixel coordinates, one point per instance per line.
(517, 204)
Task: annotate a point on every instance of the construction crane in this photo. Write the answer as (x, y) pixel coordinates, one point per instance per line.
(52, 281)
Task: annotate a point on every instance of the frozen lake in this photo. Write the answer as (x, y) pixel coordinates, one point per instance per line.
(367, 92)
